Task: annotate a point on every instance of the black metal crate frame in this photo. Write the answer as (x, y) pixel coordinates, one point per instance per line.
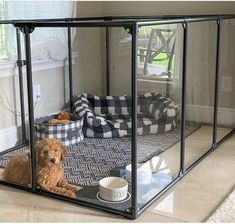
(131, 24)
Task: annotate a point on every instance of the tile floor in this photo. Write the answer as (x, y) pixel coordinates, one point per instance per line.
(190, 200)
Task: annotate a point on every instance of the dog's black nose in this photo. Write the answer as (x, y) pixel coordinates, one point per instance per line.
(52, 160)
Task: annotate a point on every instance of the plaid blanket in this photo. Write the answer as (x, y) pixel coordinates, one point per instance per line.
(110, 116)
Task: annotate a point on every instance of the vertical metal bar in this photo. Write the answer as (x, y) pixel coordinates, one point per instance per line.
(134, 186)
(217, 77)
(21, 87)
(107, 61)
(183, 97)
(70, 67)
(30, 105)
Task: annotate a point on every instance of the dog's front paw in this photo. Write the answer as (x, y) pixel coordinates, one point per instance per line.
(73, 188)
(72, 194)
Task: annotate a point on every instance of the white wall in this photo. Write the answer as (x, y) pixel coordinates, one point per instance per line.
(88, 42)
(53, 99)
(167, 7)
(6, 90)
(52, 95)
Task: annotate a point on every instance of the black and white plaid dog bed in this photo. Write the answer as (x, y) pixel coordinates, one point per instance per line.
(69, 133)
(110, 116)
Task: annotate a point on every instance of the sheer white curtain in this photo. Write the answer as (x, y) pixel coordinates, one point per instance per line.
(39, 10)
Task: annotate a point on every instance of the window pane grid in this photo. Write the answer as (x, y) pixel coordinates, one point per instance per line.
(2, 31)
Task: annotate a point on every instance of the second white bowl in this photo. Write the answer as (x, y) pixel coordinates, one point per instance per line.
(144, 173)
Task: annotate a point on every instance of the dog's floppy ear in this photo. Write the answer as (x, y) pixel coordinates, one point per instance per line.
(63, 151)
(38, 148)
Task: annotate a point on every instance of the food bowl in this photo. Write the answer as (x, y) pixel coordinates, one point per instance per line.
(113, 188)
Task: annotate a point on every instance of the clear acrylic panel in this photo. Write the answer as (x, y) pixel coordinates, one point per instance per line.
(226, 117)
(200, 89)
(51, 96)
(159, 99)
(108, 146)
(102, 147)
(14, 152)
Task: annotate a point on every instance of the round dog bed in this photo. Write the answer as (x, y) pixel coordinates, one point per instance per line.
(69, 133)
(110, 116)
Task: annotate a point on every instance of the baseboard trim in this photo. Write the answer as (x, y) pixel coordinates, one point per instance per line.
(204, 114)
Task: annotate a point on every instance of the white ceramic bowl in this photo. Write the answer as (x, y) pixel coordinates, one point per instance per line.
(113, 188)
(144, 173)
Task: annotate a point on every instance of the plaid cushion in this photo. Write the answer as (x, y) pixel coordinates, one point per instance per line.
(103, 105)
(110, 116)
(68, 134)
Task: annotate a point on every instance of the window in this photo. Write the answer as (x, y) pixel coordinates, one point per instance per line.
(13, 10)
(156, 51)
(2, 31)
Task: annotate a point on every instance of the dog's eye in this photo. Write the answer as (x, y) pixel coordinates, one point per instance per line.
(45, 152)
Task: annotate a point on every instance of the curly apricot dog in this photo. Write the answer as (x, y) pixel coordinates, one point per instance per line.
(57, 121)
(63, 118)
(50, 172)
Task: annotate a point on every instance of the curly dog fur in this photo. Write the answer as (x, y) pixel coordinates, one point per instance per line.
(50, 172)
(63, 118)
(18, 169)
(58, 121)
